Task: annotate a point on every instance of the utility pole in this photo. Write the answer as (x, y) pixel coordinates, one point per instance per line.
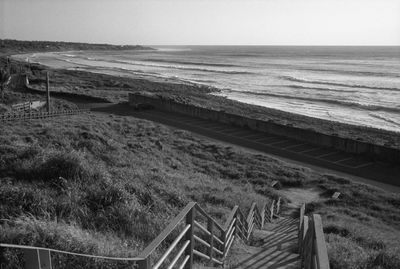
(48, 91)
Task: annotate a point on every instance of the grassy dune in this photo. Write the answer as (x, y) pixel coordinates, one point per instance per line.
(362, 228)
(108, 185)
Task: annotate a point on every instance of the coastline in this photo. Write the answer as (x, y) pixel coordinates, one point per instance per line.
(138, 173)
(115, 89)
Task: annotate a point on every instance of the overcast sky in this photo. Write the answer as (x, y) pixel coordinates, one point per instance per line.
(204, 22)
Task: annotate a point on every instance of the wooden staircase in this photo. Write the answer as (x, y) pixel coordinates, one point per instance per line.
(274, 246)
(264, 238)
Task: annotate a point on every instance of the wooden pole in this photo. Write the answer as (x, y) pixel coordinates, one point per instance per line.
(48, 92)
(144, 264)
(210, 227)
(189, 236)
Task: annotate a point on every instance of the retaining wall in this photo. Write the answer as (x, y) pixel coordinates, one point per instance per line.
(376, 152)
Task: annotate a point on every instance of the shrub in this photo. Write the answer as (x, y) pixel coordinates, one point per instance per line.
(67, 165)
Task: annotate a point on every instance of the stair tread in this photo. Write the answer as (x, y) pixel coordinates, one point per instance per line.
(274, 246)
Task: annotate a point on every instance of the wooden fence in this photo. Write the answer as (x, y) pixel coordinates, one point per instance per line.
(39, 115)
(312, 247)
(195, 233)
(22, 106)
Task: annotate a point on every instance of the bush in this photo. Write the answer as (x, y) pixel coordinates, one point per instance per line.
(66, 165)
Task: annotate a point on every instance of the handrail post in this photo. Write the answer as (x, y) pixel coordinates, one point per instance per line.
(263, 216)
(319, 246)
(189, 236)
(278, 206)
(272, 210)
(210, 228)
(235, 218)
(301, 227)
(144, 264)
(37, 259)
(225, 243)
(32, 260)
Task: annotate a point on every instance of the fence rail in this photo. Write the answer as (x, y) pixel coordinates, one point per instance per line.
(22, 106)
(312, 247)
(39, 115)
(200, 235)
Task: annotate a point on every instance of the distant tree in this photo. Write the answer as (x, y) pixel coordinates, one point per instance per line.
(5, 79)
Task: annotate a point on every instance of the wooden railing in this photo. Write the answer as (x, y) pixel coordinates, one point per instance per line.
(312, 247)
(22, 106)
(195, 233)
(39, 115)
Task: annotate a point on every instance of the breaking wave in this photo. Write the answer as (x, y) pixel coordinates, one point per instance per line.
(180, 67)
(357, 86)
(321, 100)
(191, 63)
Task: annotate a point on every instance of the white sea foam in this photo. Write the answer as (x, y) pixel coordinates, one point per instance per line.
(354, 85)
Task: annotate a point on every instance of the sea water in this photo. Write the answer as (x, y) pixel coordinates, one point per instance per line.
(355, 85)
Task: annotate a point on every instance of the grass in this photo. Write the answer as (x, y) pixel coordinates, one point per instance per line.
(118, 180)
(107, 185)
(362, 228)
(75, 183)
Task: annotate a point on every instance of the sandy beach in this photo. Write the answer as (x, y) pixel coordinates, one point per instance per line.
(116, 88)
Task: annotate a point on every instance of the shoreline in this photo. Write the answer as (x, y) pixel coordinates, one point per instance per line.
(203, 95)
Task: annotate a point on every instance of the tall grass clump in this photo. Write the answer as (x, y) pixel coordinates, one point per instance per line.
(362, 227)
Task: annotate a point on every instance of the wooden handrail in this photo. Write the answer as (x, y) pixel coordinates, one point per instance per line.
(236, 225)
(69, 253)
(171, 248)
(160, 238)
(312, 246)
(201, 211)
(231, 216)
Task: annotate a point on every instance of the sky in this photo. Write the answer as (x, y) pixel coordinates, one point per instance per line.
(204, 22)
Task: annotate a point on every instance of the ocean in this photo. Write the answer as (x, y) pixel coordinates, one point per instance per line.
(355, 85)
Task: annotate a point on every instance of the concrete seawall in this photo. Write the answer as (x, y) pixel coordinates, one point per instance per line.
(375, 152)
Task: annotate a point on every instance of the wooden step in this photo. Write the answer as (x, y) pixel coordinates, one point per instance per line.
(275, 246)
(259, 257)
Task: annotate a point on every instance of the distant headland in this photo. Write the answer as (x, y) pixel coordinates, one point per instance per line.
(10, 46)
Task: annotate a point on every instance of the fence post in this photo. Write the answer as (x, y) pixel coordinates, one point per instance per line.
(144, 264)
(37, 259)
(308, 242)
(278, 205)
(31, 257)
(48, 91)
(320, 245)
(301, 227)
(272, 210)
(210, 227)
(225, 244)
(263, 215)
(189, 236)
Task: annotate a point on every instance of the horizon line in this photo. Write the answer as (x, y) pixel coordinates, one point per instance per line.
(215, 45)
